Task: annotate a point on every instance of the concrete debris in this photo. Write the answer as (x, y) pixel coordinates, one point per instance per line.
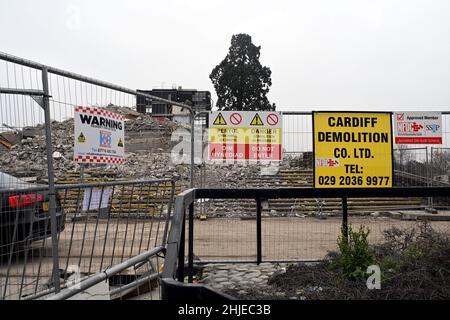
(23, 153)
(57, 155)
(148, 146)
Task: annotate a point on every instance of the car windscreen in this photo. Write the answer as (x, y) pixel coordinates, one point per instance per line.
(9, 182)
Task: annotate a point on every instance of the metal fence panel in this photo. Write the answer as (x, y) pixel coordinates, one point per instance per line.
(99, 226)
(37, 105)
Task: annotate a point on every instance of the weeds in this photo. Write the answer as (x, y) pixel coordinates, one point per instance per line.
(354, 253)
(415, 264)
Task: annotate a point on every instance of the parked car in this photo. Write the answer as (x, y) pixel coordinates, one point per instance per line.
(24, 213)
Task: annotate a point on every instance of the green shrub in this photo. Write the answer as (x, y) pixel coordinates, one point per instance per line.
(355, 255)
(412, 252)
(412, 244)
(390, 263)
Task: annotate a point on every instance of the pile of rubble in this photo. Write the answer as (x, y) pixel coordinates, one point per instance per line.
(23, 153)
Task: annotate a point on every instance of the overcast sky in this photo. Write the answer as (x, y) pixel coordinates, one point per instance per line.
(392, 54)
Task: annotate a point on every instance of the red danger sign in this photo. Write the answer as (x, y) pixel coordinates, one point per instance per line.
(235, 118)
(272, 119)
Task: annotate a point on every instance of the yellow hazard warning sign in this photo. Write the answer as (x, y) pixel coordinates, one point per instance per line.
(81, 138)
(120, 144)
(245, 136)
(256, 121)
(220, 121)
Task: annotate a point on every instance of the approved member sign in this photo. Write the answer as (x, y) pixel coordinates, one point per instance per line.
(352, 150)
(418, 127)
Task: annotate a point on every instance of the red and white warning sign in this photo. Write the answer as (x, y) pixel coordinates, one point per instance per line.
(245, 135)
(99, 136)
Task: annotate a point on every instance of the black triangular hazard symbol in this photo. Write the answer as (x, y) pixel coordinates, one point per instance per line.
(256, 121)
(120, 144)
(81, 138)
(220, 121)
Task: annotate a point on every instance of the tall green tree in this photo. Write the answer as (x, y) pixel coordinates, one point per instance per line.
(240, 81)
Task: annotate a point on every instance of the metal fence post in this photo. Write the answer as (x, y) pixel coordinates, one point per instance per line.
(345, 217)
(432, 165)
(431, 175)
(428, 174)
(180, 271)
(258, 232)
(191, 244)
(51, 180)
(194, 115)
(192, 148)
(191, 211)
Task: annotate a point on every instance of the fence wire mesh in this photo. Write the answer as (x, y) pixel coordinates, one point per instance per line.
(99, 226)
(306, 231)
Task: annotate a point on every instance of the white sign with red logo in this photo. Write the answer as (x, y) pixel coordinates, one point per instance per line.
(99, 136)
(328, 162)
(418, 127)
(245, 135)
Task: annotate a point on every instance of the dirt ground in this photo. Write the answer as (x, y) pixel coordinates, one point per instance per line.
(89, 246)
(283, 238)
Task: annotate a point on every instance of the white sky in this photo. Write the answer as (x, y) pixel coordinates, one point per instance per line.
(363, 55)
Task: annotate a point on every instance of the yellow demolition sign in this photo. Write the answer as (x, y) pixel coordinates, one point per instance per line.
(352, 150)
